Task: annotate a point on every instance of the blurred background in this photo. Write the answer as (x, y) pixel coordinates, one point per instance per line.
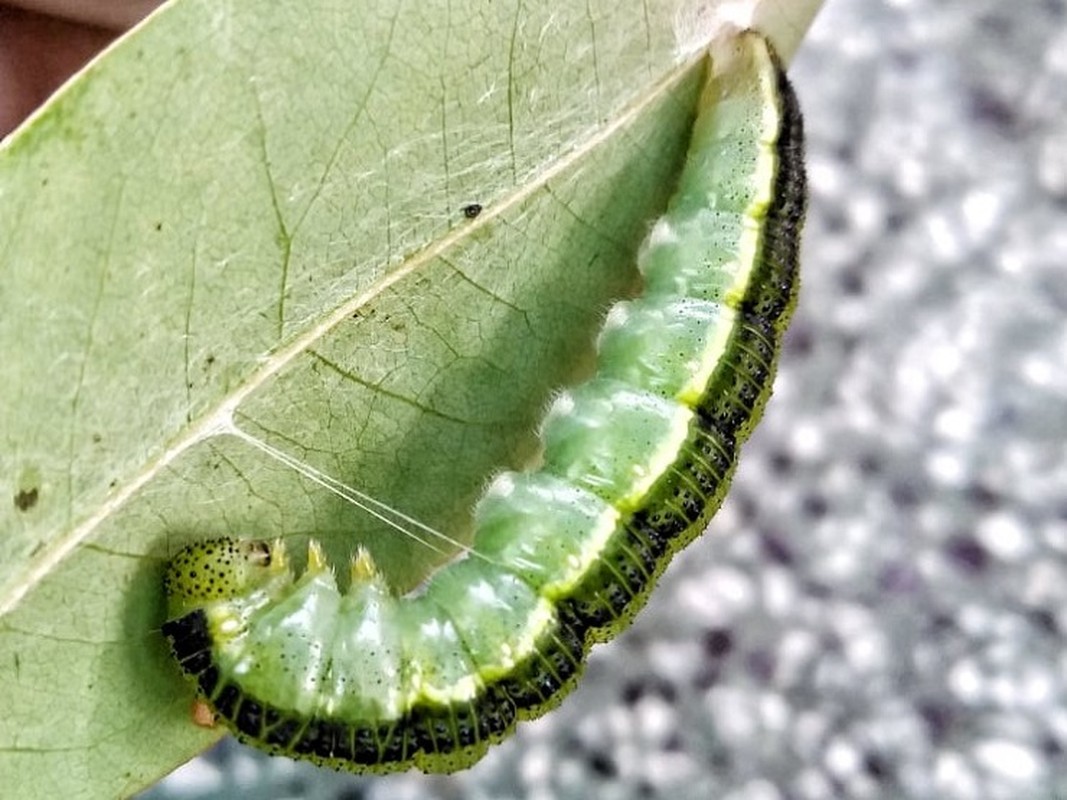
(879, 609)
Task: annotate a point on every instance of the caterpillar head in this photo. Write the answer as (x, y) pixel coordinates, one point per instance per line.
(219, 569)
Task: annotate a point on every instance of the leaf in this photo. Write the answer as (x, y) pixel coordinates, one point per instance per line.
(256, 210)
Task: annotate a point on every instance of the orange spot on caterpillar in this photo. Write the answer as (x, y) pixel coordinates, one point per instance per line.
(203, 714)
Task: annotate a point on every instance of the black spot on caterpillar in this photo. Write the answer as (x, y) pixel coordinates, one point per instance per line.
(472, 210)
(636, 461)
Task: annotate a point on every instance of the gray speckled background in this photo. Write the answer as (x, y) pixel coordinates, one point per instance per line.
(879, 610)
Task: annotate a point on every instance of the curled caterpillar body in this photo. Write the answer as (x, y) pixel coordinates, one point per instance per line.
(636, 461)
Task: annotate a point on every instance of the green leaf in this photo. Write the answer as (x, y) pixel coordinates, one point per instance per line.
(256, 210)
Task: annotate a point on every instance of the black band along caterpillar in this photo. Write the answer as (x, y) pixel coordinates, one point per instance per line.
(636, 460)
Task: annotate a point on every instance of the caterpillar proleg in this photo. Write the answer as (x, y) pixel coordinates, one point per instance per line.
(636, 461)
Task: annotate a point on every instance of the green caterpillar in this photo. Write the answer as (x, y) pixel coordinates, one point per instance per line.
(636, 461)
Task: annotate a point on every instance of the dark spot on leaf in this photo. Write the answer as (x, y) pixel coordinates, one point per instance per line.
(472, 210)
(25, 499)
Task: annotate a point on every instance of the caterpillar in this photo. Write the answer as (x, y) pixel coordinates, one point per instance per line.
(635, 462)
